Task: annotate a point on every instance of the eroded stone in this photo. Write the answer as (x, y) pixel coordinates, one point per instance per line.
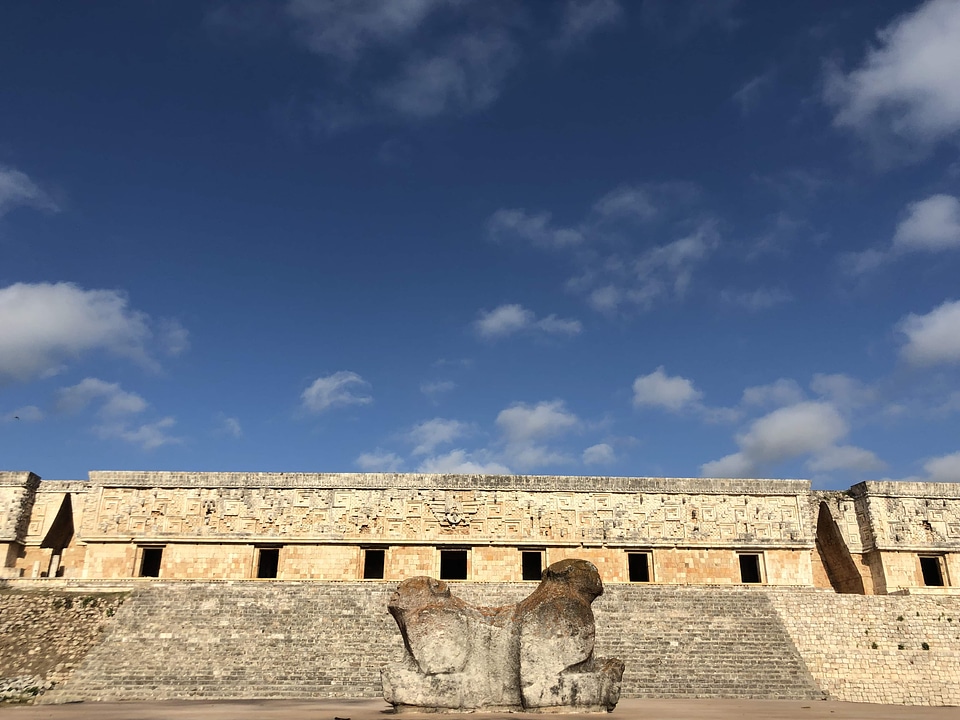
(537, 654)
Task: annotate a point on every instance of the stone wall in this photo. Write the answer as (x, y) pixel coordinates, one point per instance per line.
(408, 508)
(45, 634)
(281, 639)
(899, 649)
(258, 639)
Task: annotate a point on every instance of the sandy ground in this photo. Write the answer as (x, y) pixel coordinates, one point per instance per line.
(378, 710)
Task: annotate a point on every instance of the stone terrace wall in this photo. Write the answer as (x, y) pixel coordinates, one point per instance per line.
(278, 639)
(871, 648)
(46, 634)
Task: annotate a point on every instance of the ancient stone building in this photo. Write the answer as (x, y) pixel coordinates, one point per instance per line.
(876, 538)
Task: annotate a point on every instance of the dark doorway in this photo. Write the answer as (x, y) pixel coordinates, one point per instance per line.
(638, 566)
(373, 563)
(749, 568)
(59, 536)
(932, 571)
(531, 564)
(836, 558)
(453, 564)
(268, 561)
(150, 563)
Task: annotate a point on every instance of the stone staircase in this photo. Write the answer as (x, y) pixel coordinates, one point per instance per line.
(700, 642)
(271, 639)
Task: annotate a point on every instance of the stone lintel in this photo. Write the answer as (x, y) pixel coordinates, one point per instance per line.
(531, 483)
(891, 488)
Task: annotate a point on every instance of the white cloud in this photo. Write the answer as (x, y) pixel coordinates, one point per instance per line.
(115, 411)
(510, 319)
(464, 78)
(337, 390)
(526, 430)
(44, 325)
(661, 390)
(845, 457)
(931, 224)
(627, 201)
(907, 84)
(672, 264)
(534, 228)
(776, 394)
(522, 422)
(842, 390)
(114, 400)
(436, 388)
(344, 29)
(174, 338)
(230, 426)
(933, 338)
(943, 469)
(461, 462)
(379, 461)
(583, 18)
(27, 413)
(785, 433)
(600, 454)
(756, 300)
(535, 456)
(148, 436)
(748, 95)
(860, 263)
(17, 190)
(429, 434)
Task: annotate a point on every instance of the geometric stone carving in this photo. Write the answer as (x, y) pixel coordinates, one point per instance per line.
(535, 655)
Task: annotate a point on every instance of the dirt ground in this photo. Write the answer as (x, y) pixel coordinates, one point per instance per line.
(378, 710)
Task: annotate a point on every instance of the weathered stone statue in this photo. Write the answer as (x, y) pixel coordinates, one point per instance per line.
(537, 654)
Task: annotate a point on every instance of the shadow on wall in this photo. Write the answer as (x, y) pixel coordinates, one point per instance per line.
(837, 560)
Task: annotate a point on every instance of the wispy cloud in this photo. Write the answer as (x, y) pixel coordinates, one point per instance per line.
(379, 461)
(749, 94)
(462, 78)
(148, 436)
(339, 389)
(229, 426)
(583, 18)
(756, 300)
(113, 400)
(506, 320)
(115, 412)
(436, 388)
(428, 435)
(18, 190)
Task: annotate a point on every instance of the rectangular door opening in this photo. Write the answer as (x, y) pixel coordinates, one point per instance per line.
(750, 569)
(453, 564)
(150, 562)
(932, 571)
(531, 564)
(373, 564)
(638, 566)
(268, 562)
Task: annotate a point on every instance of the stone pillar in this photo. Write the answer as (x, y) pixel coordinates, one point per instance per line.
(18, 490)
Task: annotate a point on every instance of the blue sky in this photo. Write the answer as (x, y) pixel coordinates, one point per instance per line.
(590, 237)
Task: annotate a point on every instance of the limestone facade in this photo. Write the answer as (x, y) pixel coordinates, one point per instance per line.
(875, 538)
